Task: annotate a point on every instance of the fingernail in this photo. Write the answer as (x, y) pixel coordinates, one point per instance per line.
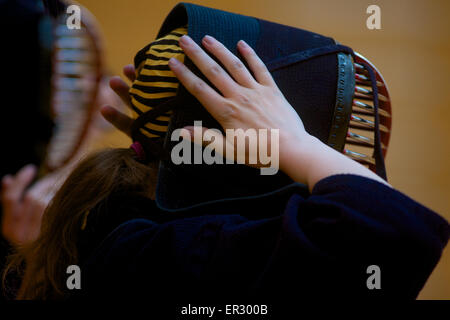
(174, 61)
(243, 44)
(6, 179)
(184, 39)
(129, 66)
(208, 39)
(186, 133)
(30, 167)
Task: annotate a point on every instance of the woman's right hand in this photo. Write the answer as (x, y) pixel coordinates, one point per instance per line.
(255, 102)
(247, 101)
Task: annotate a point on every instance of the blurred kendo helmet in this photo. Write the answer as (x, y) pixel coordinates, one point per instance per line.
(340, 96)
(50, 85)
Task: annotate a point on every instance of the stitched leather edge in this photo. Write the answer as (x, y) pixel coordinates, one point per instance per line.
(344, 98)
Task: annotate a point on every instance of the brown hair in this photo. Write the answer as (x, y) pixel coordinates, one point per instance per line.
(42, 264)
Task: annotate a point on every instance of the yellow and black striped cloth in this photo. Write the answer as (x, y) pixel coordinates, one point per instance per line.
(155, 82)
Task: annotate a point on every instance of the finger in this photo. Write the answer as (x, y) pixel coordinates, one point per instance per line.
(232, 63)
(210, 139)
(129, 72)
(6, 181)
(43, 187)
(117, 119)
(231, 149)
(189, 132)
(258, 67)
(17, 186)
(121, 88)
(208, 97)
(208, 67)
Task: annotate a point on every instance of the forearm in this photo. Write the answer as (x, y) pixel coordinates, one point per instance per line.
(308, 160)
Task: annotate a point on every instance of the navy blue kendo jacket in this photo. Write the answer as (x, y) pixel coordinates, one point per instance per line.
(287, 245)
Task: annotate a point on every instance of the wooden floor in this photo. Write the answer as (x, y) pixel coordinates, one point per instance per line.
(412, 51)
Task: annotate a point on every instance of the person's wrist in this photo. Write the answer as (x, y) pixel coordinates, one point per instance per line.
(294, 152)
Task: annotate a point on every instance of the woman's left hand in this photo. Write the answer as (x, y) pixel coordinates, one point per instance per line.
(118, 119)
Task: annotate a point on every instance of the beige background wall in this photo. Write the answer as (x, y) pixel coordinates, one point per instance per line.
(412, 51)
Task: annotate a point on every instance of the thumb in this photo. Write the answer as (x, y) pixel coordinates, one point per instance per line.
(209, 138)
(195, 134)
